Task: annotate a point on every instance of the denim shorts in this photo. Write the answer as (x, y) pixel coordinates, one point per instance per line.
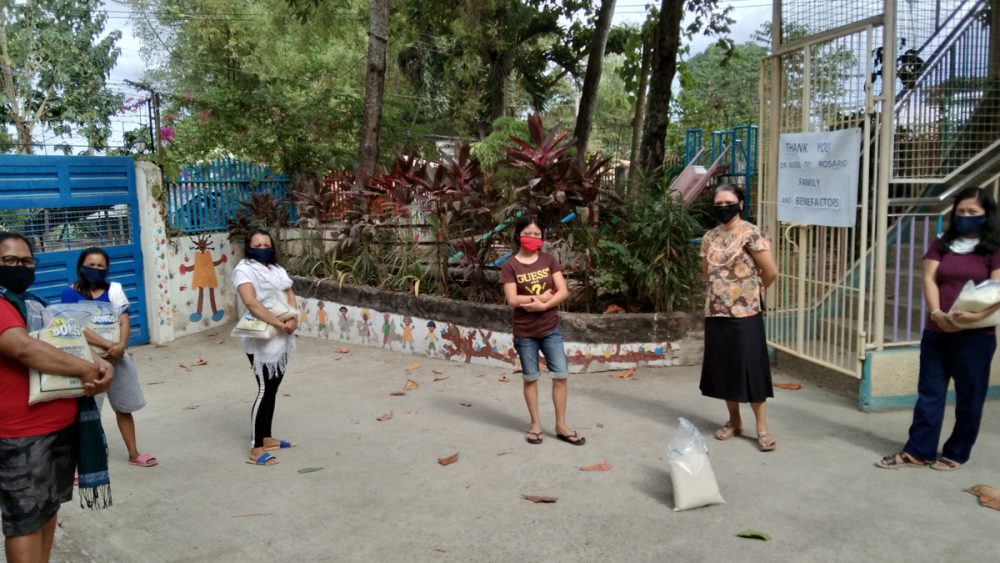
(36, 476)
(551, 346)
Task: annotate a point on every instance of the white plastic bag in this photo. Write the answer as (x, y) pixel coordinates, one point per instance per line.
(975, 298)
(690, 470)
(102, 319)
(62, 328)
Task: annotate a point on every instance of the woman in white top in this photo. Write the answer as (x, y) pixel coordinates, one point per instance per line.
(261, 283)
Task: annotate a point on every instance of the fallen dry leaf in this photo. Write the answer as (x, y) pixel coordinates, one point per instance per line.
(191, 407)
(505, 453)
(397, 394)
(159, 345)
(503, 378)
(599, 425)
(539, 499)
(412, 412)
(613, 310)
(154, 382)
(448, 460)
(624, 374)
(441, 378)
(200, 362)
(789, 386)
(466, 404)
(988, 496)
(436, 372)
(384, 417)
(343, 350)
(185, 367)
(603, 466)
(287, 394)
(410, 385)
(305, 470)
(413, 366)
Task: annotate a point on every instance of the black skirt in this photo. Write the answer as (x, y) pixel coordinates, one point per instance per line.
(736, 366)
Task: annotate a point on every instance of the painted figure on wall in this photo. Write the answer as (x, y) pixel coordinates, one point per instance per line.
(365, 330)
(386, 329)
(345, 324)
(431, 337)
(408, 333)
(203, 277)
(321, 319)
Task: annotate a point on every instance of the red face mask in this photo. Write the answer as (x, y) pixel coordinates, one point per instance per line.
(531, 244)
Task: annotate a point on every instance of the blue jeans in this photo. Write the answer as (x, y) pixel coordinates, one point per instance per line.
(964, 357)
(551, 346)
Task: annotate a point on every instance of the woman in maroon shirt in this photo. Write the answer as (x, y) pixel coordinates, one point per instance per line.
(968, 250)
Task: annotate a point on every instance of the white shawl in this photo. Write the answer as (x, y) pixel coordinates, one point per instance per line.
(270, 284)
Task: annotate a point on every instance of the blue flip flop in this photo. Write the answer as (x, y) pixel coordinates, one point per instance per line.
(282, 444)
(263, 460)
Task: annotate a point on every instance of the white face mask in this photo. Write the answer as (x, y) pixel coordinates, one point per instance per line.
(963, 245)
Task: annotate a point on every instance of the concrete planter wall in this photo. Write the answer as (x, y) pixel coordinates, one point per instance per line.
(478, 333)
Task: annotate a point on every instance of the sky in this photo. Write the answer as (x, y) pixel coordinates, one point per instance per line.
(749, 15)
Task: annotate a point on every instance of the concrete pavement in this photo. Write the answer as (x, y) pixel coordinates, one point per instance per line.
(381, 495)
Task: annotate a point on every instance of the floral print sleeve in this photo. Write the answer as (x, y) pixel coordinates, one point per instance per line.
(734, 281)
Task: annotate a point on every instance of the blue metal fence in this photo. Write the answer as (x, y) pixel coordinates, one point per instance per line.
(207, 196)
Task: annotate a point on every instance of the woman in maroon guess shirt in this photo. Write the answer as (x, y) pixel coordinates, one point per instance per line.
(534, 286)
(968, 250)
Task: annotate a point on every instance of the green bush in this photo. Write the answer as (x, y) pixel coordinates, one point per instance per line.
(646, 259)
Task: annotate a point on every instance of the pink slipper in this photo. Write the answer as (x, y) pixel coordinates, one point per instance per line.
(144, 460)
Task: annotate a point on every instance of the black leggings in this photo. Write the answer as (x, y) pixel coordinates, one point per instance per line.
(262, 412)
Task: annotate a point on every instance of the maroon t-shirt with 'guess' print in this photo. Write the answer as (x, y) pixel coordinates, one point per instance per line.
(532, 279)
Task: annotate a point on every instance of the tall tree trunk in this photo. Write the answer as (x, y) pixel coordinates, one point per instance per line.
(640, 111)
(592, 80)
(497, 86)
(378, 38)
(668, 35)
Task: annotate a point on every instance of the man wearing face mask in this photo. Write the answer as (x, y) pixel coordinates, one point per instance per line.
(36, 442)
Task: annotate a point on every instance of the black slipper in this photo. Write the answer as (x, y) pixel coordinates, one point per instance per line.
(575, 438)
(537, 439)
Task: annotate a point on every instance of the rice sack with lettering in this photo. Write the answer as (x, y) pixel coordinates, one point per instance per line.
(103, 319)
(63, 330)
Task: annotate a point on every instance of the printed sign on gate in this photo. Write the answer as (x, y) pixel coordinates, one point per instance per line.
(818, 177)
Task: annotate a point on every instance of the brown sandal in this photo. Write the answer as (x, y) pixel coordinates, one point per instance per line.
(728, 431)
(900, 461)
(766, 442)
(945, 464)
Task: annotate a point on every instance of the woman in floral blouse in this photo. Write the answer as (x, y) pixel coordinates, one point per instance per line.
(737, 266)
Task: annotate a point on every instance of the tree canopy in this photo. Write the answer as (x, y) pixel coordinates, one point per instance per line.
(54, 64)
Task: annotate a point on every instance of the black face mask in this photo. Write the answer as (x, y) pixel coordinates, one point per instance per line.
(725, 213)
(17, 278)
(95, 276)
(262, 255)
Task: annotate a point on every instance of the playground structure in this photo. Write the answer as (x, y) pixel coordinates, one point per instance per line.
(730, 158)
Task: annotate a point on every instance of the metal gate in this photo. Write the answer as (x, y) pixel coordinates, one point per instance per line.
(843, 292)
(64, 204)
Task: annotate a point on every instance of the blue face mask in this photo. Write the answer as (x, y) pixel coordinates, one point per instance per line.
(969, 225)
(95, 276)
(262, 255)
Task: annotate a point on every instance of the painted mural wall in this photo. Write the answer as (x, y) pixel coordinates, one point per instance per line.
(439, 338)
(189, 289)
(200, 275)
(189, 278)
